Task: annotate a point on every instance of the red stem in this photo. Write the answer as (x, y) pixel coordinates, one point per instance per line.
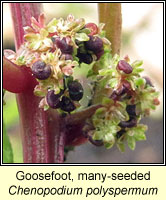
(19, 77)
(40, 133)
(44, 134)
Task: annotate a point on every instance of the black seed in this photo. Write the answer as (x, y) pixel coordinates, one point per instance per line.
(131, 110)
(124, 66)
(40, 70)
(53, 99)
(128, 124)
(94, 44)
(96, 142)
(67, 105)
(75, 90)
(85, 58)
(120, 133)
(62, 45)
(148, 81)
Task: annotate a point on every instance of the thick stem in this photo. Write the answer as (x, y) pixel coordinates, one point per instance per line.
(21, 15)
(20, 78)
(110, 14)
(39, 139)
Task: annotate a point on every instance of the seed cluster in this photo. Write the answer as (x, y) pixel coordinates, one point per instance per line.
(131, 98)
(65, 103)
(53, 51)
(56, 51)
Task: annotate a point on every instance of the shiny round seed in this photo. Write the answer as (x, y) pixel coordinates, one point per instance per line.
(124, 66)
(40, 70)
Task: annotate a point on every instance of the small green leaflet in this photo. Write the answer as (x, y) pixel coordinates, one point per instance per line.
(131, 142)
(81, 37)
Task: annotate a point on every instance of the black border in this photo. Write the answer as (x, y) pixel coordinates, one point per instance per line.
(86, 164)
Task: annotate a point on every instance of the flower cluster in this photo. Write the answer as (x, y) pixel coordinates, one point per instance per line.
(55, 51)
(126, 97)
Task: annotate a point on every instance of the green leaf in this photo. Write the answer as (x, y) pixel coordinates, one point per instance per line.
(106, 101)
(90, 73)
(7, 149)
(138, 130)
(137, 70)
(51, 26)
(46, 107)
(100, 111)
(20, 60)
(131, 142)
(104, 72)
(102, 34)
(108, 145)
(81, 37)
(97, 135)
(139, 136)
(85, 30)
(39, 93)
(137, 63)
(109, 138)
(121, 147)
(115, 59)
(113, 82)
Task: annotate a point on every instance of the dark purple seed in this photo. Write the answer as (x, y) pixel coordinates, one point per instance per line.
(94, 44)
(75, 90)
(62, 45)
(118, 93)
(121, 91)
(96, 142)
(114, 95)
(99, 54)
(128, 124)
(131, 110)
(120, 133)
(125, 88)
(68, 56)
(124, 66)
(85, 58)
(40, 70)
(67, 105)
(53, 99)
(148, 81)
